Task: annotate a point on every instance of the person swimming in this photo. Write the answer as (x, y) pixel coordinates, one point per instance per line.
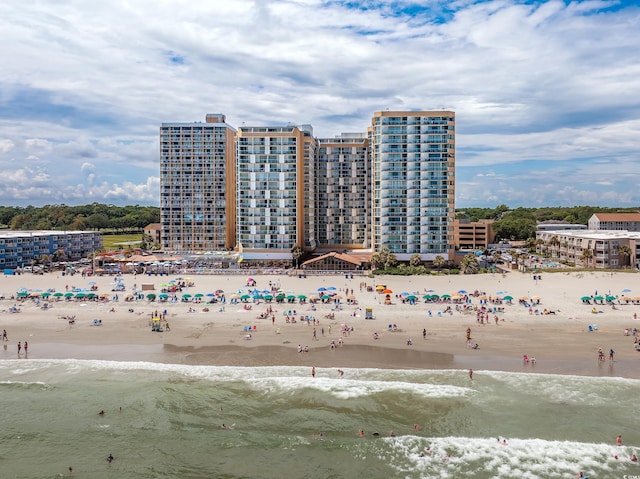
(110, 457)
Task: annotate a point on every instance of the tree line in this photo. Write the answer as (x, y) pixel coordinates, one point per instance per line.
(95, 216)
(519, 224)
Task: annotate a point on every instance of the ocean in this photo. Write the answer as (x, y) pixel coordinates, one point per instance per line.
(165, 421)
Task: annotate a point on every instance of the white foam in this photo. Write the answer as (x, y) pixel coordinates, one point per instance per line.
(520, 458)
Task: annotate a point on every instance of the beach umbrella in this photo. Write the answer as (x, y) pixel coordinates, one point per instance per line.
(426, 296)
(322, 289)
(405, 293)
(626, 290)
(163, 296)
(245, 297)
(585, 298)
(387, 291)
(599, 298)
(508, 298)
(80, 295)
(535, 298)
(23, 294)
(219, 291)
(151, 296)
(268, 297)
(68, 295)
(411, 297)
(46, 294)
(302, 296)
(380, 287)
(186, 296)
(199, 295)
(58, 295)
(291, 297)
(258, 296)
(446, 296)
(523, 298)
(331, 288)
(462, 291)
(314, 298)
(610, 298)
(91, 295)
(337, 296)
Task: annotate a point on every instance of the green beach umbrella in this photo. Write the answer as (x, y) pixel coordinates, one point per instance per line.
(23, 294)
(163, 296)
(268, 297)
(411, 297)
(186, 296)
(445, 296)
(258, 296)
(91, 295)
(291, 297)
(199, 295)
(302, 296)
(585, 298)
(507, 298)
(80, 295)
(599, 298)
(68, 295)
(58, 294)
(151, 296)
(610, 298)
(46, 294)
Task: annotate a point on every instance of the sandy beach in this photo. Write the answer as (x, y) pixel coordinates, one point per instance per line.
(560, 341)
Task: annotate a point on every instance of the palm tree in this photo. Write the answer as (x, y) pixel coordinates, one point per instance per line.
(470, 264)
(625, 252)
(439, 262)
(586, 257)
(415, 259)
(296, 253)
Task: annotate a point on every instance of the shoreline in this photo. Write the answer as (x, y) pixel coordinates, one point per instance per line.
(353, 357)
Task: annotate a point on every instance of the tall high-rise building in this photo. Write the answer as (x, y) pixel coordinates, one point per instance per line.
(343, 192)
(413, 182)
(197, 185)
(270, 191)
(275, 190)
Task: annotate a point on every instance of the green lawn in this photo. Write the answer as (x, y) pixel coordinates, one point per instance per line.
(110, 241)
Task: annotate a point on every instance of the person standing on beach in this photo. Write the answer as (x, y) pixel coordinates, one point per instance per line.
(313, 372)
(424, 333)
(19, 348)
(471, 374)
(4, 335)
(26, 348)
(611, 354)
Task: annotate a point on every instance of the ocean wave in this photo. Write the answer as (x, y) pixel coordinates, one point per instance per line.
(506, 458)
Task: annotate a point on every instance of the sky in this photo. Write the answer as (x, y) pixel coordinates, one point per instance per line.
(546, 94)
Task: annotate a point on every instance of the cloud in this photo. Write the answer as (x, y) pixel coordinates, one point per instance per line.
(542, 96)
